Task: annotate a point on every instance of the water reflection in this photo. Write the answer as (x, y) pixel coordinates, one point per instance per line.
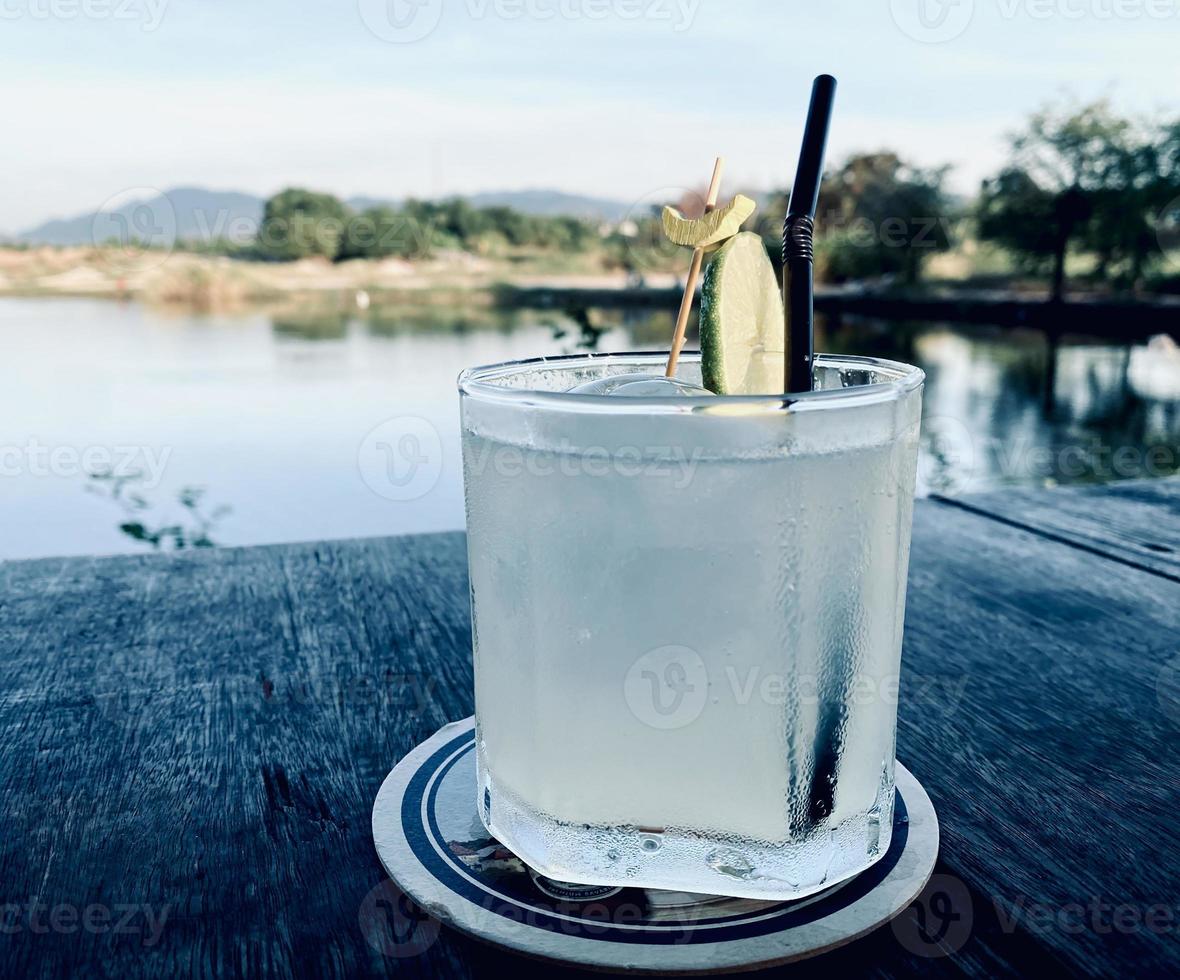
(140, 519)
(401, 321)
(311, 326)
(1003, 405)
(1011, 410)
(589, 334)
(271, 408)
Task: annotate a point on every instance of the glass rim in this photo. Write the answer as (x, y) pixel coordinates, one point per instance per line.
(476, 382)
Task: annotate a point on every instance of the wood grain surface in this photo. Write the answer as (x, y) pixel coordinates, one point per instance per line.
(190, 746)
(1137, 522)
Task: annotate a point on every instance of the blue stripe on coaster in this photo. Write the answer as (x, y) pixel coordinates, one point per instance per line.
(433, 852)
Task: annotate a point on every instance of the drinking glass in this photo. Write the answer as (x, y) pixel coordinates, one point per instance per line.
(687, 619)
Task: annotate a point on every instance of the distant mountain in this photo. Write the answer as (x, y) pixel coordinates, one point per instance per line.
(540, 202)
(184, 213)
(548, 202)
(363, 203)
(197, 214)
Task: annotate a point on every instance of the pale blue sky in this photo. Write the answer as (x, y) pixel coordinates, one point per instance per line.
(613, 97)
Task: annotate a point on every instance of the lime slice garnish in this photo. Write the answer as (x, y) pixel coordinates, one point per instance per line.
(743, 328)
(711, 229)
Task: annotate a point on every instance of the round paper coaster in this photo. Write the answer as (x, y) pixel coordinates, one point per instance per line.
(431, 841)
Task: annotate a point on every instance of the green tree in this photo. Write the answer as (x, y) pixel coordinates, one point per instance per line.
(462, 221)
(1142, 181)
(768, 222)
(1066, 167)
(298, 223)
(879, 216)
(564, 234)
(516, 228)
(380, 232)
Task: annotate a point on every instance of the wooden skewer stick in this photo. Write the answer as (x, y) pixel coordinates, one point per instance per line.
(694, 271)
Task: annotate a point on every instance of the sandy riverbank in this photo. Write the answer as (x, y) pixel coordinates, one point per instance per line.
(217, 282)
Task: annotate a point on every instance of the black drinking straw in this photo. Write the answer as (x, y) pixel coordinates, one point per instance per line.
(797, 236)
(798, 228)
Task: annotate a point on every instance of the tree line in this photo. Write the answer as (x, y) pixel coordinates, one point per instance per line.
(298, 223)
(1088, 181)
(1079, 181)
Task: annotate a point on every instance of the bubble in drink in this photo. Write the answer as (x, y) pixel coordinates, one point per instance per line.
(640, 386)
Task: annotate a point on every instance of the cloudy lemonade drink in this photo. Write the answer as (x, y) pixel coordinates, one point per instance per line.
(687, 617)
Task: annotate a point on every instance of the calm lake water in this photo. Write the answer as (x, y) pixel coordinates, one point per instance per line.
(124, 428)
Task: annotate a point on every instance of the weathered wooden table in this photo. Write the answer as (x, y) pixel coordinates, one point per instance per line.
(191, 746)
